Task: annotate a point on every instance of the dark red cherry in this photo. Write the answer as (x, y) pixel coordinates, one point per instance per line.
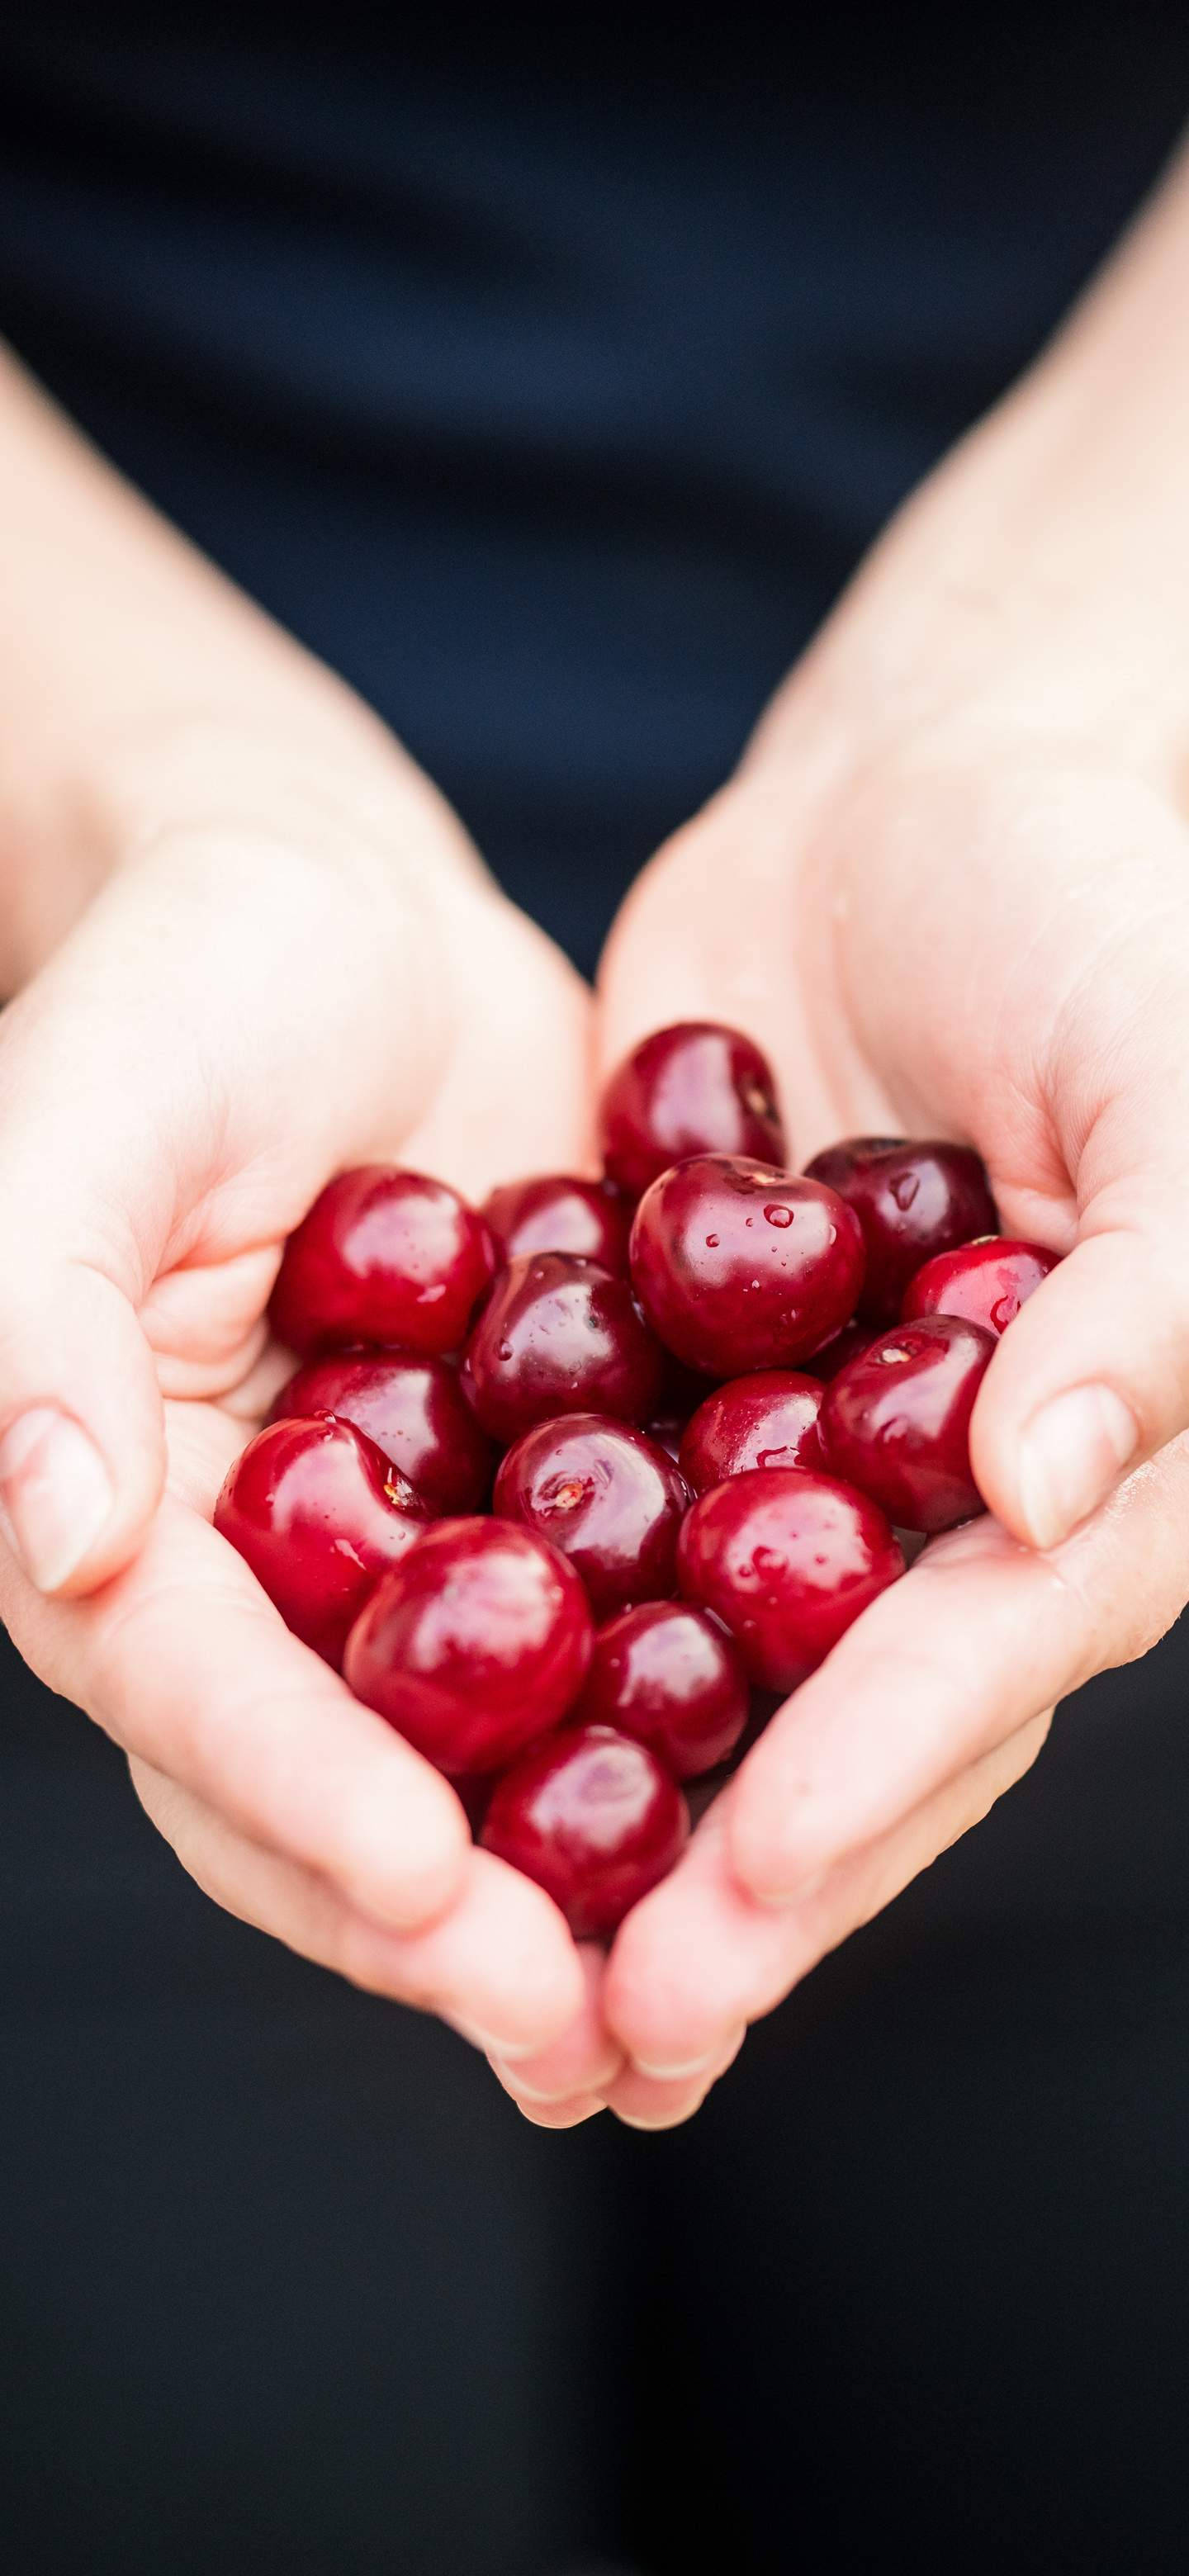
(766, 1420)
(845, 1346)
(559, 1335)
(787, 1560)
(666, 1674)
(912, 1200)
(740, 1267)
(319, 1514)
(610, 1499)
(415, 1411)
(695, 1088)
(897, 1420)
(476, 1644)
(383, 1256)
(594, 1818)
(986, 1282)
(557, 1213)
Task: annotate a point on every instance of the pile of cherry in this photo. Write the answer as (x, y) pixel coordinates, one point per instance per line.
(709, 1437)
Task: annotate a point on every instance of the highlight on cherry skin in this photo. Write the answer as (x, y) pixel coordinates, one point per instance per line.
(468, 1495)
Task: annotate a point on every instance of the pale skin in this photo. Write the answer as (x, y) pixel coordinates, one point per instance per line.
(948, 891)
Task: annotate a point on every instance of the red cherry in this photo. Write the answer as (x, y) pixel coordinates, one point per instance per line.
(383, 1256)
(476, 1644)
(897, 1420)
(415, 1411)
(741, 1267)
(611, 1500)
(787, 1560)
(558, 1335)
(595, 1819)
(985, 1282)
(845, 1346)
(912, 1200)
(556, 1213)
(766, 1420)
(668, 1676)
(695, 1088)
(319, 1514)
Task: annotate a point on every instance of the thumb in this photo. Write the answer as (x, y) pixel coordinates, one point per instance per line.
(1093, 1376)
(82, 1450)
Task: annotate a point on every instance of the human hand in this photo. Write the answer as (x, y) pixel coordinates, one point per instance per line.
(295, 964)
(948, 892)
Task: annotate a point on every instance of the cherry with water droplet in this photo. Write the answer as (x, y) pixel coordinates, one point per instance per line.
(787, 1560)
(896, 1421)
(769, 1419)
(986, 1282)
(559, 1335)
(729, 1291)
(912, 1199)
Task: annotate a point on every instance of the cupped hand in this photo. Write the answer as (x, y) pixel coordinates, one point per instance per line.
(948, 891)
(296, 964)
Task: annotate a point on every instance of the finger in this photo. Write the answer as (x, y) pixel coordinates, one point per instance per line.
(583, 2060)
(980, 1634)
(699, 1955)
(499, 1966)
(184, 1661)
(650, 2102)
(1094, 1374)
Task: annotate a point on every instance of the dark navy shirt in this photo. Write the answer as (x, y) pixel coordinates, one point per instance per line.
(549, 376)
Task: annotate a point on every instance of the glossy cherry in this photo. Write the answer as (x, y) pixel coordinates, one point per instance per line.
(741, 1267)
(319, 1514)
(415, 1411)
(897, 1420)
(986, 1282)
(609, 1498)
(667, 1675)
(594, 1818)
(383, 1256)
(559, 1335)
(766, 1420)
(477, 1643)
(557, 1213)
(912, 1200)
(695, 1088)
(787, 1560)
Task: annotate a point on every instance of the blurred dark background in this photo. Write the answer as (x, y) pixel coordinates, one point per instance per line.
(550, 381)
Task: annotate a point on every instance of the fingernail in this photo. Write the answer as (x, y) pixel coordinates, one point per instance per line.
(677, 2074)
(56, 1491)
(508, 2051)
(1071, 1454)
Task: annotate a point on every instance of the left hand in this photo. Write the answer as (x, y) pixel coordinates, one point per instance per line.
(948, 891)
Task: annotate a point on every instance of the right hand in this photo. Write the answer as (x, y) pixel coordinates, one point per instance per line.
(303, 970)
